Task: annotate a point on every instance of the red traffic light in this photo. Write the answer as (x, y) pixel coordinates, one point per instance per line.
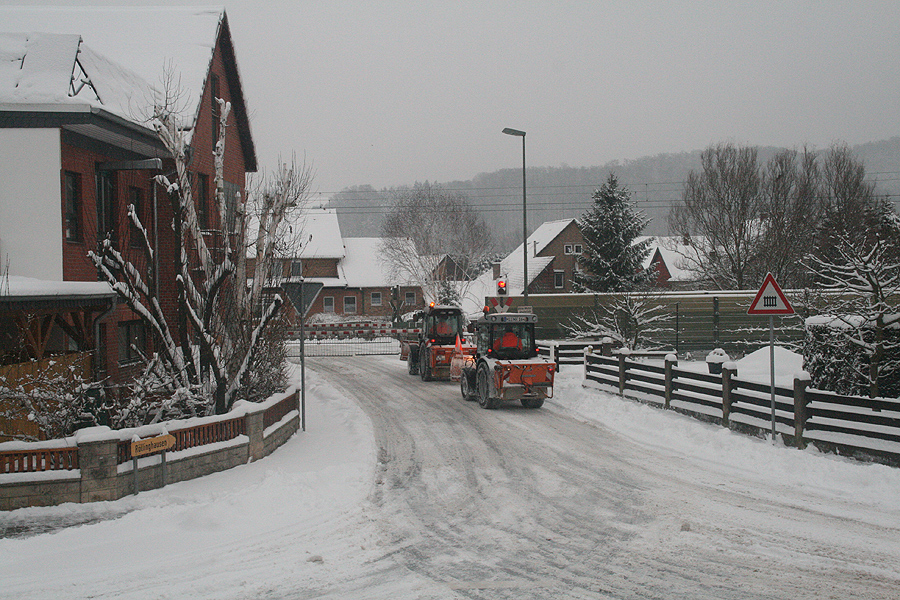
(501, 288)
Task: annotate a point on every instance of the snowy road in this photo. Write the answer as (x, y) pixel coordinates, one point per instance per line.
(421, 495)
(519, 503)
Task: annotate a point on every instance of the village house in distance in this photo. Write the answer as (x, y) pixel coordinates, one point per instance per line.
(343, 278)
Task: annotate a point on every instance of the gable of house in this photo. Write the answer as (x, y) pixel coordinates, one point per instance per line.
(76, 117)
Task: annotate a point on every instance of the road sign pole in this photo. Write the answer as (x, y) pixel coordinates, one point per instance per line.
(772, 369)
(771, 301)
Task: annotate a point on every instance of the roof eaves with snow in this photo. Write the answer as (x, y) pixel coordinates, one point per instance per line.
(22, 293)
(149, 40)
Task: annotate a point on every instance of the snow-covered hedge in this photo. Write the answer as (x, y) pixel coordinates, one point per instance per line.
(838, 365)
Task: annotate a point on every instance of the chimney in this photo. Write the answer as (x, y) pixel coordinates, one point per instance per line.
(496, 267)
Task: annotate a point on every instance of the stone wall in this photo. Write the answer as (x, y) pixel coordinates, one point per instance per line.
(100, 477)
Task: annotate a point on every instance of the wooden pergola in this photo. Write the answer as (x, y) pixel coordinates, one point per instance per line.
(33, 313)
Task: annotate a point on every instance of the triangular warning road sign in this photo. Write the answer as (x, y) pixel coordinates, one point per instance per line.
(770, 300)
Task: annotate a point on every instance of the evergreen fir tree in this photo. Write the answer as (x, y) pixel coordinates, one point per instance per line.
(612, 261)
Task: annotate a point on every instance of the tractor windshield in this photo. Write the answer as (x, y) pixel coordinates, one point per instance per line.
(444, 326)
(512, 340)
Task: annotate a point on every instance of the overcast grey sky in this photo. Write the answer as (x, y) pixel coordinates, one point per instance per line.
(391, 92)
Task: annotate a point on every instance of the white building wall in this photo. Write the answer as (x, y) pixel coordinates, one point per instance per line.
(30, 203)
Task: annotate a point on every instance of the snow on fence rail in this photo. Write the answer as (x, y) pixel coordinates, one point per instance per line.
(832, 422)
(39, 459)
(191, 437)
(571, 352)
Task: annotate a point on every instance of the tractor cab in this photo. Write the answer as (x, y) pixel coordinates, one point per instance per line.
(506, 336)
(441, 324)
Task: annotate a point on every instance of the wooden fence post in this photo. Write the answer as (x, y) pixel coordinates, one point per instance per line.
(606, 345)
(587, 351)
(800, 410)
(671, 363)
(621, 374)
(727, 374)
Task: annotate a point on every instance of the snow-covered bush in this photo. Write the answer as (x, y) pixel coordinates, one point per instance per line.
(632, 320)
(836, 356)
(57, 401)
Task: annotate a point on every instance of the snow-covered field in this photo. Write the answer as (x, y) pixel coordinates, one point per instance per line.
(303, 518)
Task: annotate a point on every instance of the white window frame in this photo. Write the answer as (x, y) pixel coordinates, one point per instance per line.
(578, 249)
(328, 304)
(568, 249)
(557, 275)
(407, 296)
(346, 305)
(376, 298)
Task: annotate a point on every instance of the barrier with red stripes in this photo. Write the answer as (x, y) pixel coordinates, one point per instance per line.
(347, 332)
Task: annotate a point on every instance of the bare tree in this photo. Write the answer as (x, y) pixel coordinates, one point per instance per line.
(719, 216)
(792, 210)
(220, 327)
(275, 207)
(429, 228)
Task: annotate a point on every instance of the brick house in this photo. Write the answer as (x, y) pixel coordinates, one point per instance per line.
(76, 152)
(343, 278)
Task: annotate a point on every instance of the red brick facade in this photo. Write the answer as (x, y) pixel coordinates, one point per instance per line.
(81, 158)
(564, 249)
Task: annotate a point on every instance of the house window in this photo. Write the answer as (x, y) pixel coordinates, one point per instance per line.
(376, 298)
(203, 200)
(214, 95)
(410, 299)
(349, 305)
(559, 279)
(328, 304)
(578, 249)
(132, 341)
(568, 249)
(275, 270)
(136, 197)
(296, 269)
(106, 205)
(73, 206)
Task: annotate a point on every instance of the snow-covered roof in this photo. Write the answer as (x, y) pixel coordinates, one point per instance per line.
(545, 234)
(320, 234)
(364, 265)
(673, 251)
(17, 287)
(512, 267)
(122, 51)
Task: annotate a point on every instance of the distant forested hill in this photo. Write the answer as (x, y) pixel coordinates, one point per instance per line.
(563, 192)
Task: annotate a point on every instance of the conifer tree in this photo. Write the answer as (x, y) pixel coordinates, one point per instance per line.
(612, 261)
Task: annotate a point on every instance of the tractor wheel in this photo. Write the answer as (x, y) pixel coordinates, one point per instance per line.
(412, 362)
(465, 387)
(532, 402)
(483, 383)
(424, 367)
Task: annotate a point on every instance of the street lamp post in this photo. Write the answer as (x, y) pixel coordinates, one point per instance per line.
(521, 134)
